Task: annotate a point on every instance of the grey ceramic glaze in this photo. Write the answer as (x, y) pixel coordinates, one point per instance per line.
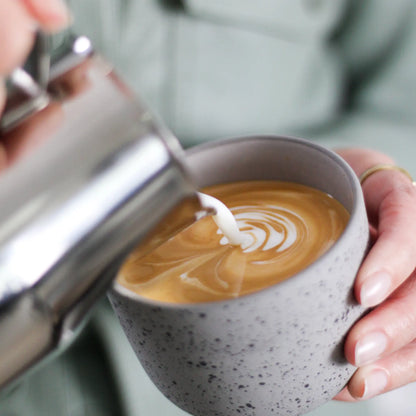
(275, 352)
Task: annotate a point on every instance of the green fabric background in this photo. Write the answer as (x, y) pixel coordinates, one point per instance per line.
(336, 71)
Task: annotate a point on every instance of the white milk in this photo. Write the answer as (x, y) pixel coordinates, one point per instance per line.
(224, 219)
(277, 232)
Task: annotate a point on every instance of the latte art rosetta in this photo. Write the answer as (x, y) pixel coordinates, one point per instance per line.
(284, 228)
(267, 228)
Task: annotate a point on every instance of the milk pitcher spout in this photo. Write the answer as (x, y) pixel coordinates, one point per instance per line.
(92, 173)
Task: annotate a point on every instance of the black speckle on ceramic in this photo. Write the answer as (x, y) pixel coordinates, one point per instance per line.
(278, 351)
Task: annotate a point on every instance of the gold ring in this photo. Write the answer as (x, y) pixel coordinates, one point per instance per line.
(382, 166)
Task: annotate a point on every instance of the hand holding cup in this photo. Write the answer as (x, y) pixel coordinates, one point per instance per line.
(276, 350)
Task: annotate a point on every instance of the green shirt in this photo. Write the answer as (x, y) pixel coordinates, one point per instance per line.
(337, 71)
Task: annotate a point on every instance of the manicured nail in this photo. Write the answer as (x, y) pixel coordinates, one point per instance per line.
(370, 347)
(374, 383)
(375, 289)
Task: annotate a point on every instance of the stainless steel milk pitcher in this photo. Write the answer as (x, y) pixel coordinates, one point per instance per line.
(95, 173)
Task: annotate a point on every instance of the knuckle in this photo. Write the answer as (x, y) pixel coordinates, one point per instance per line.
(14, 52)
(407, 290)
(400, 202)
(405, 191)
(405, 366)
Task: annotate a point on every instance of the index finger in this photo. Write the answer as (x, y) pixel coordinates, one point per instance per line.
(16, 34)
(391, 200)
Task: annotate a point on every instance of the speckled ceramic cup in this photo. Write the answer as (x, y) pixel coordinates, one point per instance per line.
(275, 352)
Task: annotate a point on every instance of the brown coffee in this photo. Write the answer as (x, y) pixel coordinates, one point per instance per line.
(286, 227)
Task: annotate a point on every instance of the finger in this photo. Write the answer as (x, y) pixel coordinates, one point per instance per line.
(16, 34)
(52, 15)
(2, 95)
(344, 396)
(361, 159)
(386, 329)
(391, 201)
(394, 371)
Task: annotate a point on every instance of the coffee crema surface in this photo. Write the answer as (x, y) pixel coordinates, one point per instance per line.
(285, 227)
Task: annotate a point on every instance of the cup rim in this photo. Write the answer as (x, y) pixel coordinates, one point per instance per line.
(357, 201)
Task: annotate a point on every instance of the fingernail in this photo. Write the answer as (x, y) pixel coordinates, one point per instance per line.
(374, 383)
(375, 289)
(370, 347)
